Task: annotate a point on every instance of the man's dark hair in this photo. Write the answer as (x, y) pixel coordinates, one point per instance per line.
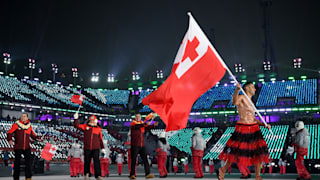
(26, 114)
(245, 85)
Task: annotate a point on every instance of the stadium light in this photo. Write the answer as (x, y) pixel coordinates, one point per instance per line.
(111, 78)
(135, 76)
(74, 74)
(54, 71)
(266, 65)
(238, 68)
(32, 63)
(31, 66)
(95, 77)
(6, 61)
(159, 74)
(297, 63)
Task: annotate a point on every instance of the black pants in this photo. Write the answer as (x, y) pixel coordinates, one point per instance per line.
(28, 162)
(88, 154)
(135, 150)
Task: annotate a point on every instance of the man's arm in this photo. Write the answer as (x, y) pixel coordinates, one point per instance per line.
(194, 142)
(306, 140)
(14, 127)
(148, 126)
(101, 140)
(235, 96)
(76, 122)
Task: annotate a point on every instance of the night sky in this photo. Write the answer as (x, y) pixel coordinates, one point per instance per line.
(121, 36)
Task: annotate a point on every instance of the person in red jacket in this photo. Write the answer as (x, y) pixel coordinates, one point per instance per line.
(22, 131)
(137, 129)
(93, 142)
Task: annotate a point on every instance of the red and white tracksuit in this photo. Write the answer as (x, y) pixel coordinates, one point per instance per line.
(119, 161)
(82, 167)
(104, 166)
(75, 154)
(198, 146)
(301, 145)
(162, 157)
(211, 166)
(282, 166)
(104, 161)
(263, 167)
(270, 166)
(186, 166)
(301, 169)
(175, 165)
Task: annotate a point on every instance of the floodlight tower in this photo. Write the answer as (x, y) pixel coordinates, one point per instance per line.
(31, 66)
(6, 61)
(269, 55)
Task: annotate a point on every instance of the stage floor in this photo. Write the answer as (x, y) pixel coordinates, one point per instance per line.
(234, 176)
(61, 172)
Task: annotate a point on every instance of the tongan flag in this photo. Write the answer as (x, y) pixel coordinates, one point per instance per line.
(78, 99)
(197, 68)
(48, 151)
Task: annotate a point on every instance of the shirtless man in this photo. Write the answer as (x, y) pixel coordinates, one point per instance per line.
(246, 146)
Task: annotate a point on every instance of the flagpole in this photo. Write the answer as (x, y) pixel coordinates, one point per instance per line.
(78, 108)
(230, 73)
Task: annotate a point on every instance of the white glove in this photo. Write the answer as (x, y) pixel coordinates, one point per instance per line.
(76, 116)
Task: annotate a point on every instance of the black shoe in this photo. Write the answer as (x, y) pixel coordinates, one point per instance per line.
(249, 175)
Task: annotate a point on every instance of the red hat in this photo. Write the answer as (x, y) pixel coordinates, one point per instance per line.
(93, 117)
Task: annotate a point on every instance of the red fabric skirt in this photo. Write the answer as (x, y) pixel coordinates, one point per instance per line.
(246, 146)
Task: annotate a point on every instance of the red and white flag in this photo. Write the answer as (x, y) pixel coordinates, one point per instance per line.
(48, 151)
(197, 68)
(78, 99)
